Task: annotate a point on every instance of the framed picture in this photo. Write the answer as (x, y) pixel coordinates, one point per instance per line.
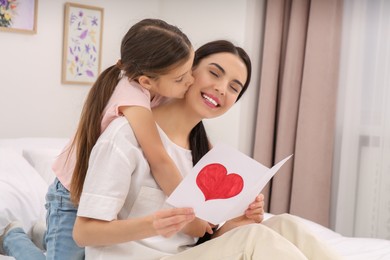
(83, 31)
(18, 16)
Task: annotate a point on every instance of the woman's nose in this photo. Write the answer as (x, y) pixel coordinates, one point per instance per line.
(220, 88)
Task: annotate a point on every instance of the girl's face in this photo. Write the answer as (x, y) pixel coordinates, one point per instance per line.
(218, 80)
(176, 82)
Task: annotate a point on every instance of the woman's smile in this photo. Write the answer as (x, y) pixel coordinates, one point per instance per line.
(211, 100)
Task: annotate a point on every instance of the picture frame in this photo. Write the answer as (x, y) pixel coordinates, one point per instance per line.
(83, 30)
(19, 16)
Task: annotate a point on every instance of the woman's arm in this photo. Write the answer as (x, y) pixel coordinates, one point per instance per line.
(94, 232)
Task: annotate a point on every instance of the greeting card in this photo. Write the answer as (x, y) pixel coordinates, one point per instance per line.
(222, 184)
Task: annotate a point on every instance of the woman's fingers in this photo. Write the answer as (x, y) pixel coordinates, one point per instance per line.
(258, 203)
(166, 213)
(175, 220)
(209, 229)
(170, 221)
(255, 210)
(257, 215)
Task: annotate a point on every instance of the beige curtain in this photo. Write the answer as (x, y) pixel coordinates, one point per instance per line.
(296, 108)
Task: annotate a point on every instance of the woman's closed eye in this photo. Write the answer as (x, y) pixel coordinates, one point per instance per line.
(235, 88)
(214, 73)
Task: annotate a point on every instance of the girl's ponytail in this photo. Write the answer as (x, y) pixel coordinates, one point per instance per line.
(89, 128)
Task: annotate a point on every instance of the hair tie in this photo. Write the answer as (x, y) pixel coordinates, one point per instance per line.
(119, 64)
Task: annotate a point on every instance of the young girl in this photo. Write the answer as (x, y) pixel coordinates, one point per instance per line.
(156, 61)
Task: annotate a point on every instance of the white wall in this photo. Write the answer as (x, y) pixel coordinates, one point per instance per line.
(34, 103)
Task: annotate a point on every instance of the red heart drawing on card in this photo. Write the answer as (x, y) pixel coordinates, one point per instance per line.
(215, 183)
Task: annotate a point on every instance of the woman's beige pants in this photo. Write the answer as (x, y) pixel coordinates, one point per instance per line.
(280, 237)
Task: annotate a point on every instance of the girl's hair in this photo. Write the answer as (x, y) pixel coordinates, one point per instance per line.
(199, 143)
(151, 47)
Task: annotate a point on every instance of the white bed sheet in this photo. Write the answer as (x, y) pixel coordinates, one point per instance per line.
(40, 152)
(352, 248)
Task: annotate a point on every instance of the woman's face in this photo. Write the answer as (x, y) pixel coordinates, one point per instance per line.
(218, 80)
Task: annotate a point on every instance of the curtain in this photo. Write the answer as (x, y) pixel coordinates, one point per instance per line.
(362, 151)
(296, 107)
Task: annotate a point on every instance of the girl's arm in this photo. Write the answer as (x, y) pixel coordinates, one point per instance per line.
(163, 169)
(94, 232)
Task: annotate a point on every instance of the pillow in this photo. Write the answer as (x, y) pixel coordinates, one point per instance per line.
(19, 144)
(22, 191)
(42, 161)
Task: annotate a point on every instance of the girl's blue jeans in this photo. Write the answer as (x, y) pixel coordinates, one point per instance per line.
(59, 243)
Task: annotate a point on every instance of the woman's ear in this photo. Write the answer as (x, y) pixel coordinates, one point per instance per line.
(145, 82)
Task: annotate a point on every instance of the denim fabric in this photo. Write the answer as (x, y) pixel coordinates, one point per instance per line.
(17, 244)
(60, 218)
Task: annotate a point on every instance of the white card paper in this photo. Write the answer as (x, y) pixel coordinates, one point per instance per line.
(222, 184)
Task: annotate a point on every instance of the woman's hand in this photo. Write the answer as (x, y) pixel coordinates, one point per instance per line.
(255, 210)
(198, 228)
(253, 214)
(168, 222)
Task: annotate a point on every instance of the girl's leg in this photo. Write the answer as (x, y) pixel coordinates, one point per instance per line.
(252, 241)
(291, 228)
(61, 215)
(17, 244)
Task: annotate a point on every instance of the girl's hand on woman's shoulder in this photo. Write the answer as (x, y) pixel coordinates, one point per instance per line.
(168, 222)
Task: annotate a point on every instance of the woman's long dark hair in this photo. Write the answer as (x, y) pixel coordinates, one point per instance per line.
(151, 47)
(199, 143)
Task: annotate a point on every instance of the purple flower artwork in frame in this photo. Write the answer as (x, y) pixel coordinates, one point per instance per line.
(82, 44)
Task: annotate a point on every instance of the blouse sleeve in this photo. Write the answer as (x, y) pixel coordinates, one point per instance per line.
(107, 182)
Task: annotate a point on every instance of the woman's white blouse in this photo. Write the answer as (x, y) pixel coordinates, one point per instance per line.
(119, 185)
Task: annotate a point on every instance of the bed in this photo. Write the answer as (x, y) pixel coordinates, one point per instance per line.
(25, 173)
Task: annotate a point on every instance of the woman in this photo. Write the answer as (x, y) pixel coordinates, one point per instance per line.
(121, 212)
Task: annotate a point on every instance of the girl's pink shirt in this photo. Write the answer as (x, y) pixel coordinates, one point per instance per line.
(126, 93)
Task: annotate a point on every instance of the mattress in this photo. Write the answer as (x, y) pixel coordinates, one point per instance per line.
(25, 173)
